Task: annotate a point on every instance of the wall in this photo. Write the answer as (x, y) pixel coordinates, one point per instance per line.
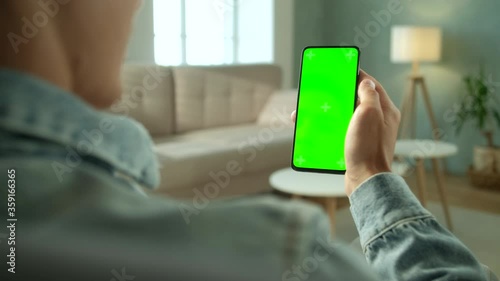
(141, 45)
(284, 37)
(470, 37)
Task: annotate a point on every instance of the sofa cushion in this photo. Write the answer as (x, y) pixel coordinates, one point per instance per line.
(148, 97)
(193, 158)
(207, 99)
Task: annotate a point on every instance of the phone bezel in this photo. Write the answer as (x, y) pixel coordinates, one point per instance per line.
(314, 170)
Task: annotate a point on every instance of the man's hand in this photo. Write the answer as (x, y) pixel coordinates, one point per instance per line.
(371, 136)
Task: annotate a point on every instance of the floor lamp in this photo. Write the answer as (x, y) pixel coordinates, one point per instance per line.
(412, 44)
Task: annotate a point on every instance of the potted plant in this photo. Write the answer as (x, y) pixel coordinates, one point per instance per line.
(481, 107)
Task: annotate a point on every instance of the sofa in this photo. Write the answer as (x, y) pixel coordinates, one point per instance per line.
(219, 131)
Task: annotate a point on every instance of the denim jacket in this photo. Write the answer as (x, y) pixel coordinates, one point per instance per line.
(77, 211)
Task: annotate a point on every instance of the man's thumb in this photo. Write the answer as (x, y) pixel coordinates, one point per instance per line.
(367, 93)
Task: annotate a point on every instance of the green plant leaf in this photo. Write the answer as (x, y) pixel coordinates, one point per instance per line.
(482, 90)
(479, 104)
(497, 117)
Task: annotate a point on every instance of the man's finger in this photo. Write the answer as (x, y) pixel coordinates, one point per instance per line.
(385, 100)
(368, 94)
(294, 116)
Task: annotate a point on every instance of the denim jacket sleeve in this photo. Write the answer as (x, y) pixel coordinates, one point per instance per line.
(403, 241)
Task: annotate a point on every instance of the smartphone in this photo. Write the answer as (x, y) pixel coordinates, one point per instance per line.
(325, 105)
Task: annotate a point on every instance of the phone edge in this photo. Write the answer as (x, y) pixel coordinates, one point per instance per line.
(322, 171)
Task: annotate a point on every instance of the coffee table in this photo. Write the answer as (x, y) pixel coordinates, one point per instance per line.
(324, 189)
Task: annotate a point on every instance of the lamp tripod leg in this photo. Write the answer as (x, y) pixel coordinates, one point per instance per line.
(427, 102)
(436, 134)
(407, 126)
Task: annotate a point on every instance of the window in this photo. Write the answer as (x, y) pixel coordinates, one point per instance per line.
(207, 32)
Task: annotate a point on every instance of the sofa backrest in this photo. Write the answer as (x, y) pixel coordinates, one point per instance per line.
(168, 100)
(214, 96)
(148, 97)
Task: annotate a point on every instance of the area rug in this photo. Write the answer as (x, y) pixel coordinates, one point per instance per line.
(479, 231)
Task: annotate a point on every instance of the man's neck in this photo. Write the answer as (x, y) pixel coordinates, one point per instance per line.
(37, 51)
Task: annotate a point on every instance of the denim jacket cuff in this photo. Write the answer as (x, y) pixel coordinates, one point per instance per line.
(380, 202)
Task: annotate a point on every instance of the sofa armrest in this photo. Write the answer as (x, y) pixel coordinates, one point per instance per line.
(278, 108)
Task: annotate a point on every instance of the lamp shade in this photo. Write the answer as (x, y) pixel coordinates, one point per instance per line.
(415, 44)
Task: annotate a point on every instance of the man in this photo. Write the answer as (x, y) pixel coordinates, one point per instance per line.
(60, 62)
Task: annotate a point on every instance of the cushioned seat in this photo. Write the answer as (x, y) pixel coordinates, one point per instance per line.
(188, 159)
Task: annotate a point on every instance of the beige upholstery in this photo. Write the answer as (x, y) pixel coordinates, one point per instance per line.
(148, 96)
(207, 99)
(191, 159)
(204, 118)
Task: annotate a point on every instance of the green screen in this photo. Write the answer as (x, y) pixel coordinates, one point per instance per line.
(327, 95)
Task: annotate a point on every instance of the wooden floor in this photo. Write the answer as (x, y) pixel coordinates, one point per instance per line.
(461, 193)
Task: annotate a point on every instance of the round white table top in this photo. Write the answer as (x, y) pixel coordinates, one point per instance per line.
(308, 184)
(424, 149)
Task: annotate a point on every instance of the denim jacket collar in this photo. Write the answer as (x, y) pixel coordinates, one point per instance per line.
(35, 108)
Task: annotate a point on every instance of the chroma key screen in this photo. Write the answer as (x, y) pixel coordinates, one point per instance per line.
(327, 96)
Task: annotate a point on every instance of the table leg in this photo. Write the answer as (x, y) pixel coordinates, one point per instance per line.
(421, 182)
(442, 192)
(330, 205)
